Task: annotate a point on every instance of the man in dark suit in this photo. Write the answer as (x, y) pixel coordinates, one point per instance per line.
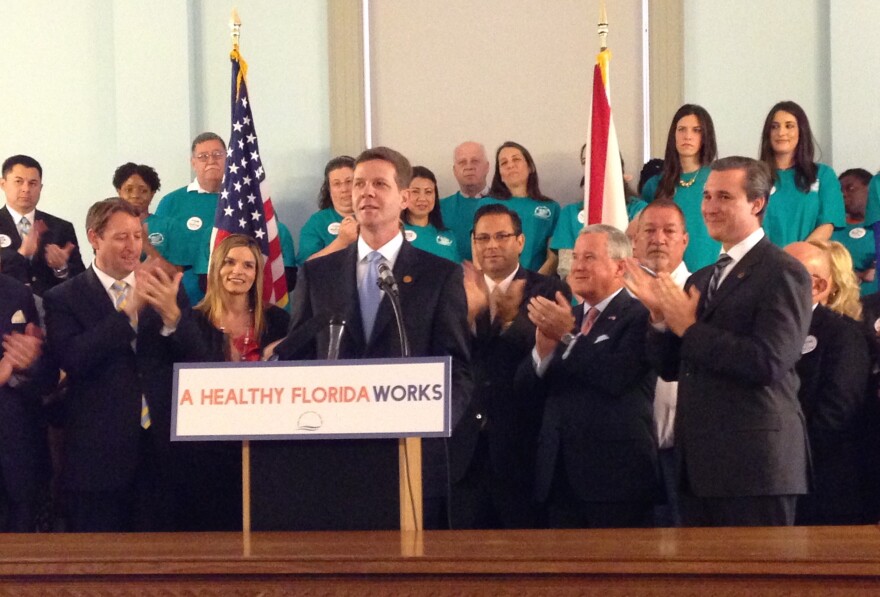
(36, 248)
(24, 455)
(834, 370)
(597, 451)
(110, 328)
(343, 284)
(732, 340)
(492, 451)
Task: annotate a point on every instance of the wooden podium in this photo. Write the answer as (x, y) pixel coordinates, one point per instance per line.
(361, 468)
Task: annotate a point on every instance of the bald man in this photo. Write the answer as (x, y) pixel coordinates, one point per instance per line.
(470, 166)
(834, 368)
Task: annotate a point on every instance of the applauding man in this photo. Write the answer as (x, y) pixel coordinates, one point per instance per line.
(109, 328)
(732, 339)
(492, 451)
(597, 452)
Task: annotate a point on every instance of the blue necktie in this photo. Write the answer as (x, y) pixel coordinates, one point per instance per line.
(370, 294)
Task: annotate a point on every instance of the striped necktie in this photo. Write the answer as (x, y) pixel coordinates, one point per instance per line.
(715, 281)
(589, 320)
(24, 227)
(121, 291)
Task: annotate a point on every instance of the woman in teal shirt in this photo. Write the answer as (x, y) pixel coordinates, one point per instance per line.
(805, 202)
(515, 184)
(422, 220)
(690, 148)
(333, 227)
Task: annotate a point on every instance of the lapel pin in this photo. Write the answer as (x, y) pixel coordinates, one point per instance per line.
(612, 317)
(407, 279)
(741, 275)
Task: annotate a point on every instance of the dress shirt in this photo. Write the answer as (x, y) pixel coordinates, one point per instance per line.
(16, 217)
(389, 252)
(504, 284)
(738, 251)
(108, 280)
(666, 392)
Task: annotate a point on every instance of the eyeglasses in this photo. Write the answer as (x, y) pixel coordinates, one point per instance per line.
(500, 237)
(217, 155)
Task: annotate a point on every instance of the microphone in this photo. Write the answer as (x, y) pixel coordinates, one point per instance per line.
(386, 280)
(337, 326)
(387, 283)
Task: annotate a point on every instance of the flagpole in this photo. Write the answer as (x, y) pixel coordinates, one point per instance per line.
(603, 27)
(235, 27)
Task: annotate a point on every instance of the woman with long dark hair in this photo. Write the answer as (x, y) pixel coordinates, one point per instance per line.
(422, 220)
(333, 227)
(690, 148)
(806, 202)
(515, 184)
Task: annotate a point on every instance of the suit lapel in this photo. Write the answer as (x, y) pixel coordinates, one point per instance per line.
(740, 272)
(354, 322)
(9, 228)
(99, 299)
(607, 319)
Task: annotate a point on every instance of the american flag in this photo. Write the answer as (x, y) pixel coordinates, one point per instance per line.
(245, 205)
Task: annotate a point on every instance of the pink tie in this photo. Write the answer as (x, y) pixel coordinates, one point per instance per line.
(589, 320)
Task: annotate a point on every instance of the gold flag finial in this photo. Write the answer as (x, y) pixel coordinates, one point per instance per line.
(603, 26)
(235, 26)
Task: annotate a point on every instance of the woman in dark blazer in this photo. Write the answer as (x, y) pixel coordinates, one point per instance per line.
(234, 325)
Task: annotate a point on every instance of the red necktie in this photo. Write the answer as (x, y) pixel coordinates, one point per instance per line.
(589, 320)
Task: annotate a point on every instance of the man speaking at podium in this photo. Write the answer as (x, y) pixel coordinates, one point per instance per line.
(343, 286)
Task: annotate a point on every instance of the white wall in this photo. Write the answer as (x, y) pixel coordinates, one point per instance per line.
(855, 86)
(742, 57)
(498, 70)
(90, 84)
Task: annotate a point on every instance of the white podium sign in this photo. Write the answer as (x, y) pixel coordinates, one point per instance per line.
(380, 398)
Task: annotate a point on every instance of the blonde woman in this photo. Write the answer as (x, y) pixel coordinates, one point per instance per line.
(844, 293)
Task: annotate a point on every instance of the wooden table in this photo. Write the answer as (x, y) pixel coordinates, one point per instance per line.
(819, 561)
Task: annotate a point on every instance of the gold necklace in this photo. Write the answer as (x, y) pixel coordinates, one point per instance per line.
(690, 182)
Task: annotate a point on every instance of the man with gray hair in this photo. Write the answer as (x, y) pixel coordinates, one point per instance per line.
(597, 453)
(191, 209)
(732, 339)
(471, 168)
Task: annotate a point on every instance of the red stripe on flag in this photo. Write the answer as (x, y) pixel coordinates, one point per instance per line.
(601, 120)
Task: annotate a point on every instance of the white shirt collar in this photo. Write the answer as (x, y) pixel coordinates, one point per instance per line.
(389, 250)
(503, 284)
(107, 280)
(195, 187)
(739, 250)
(16, 217)
(600, 306)
(680, 274)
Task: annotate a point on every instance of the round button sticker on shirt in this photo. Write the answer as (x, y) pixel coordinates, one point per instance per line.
(581, 217)
(333, 228)
(5, 241)
(194, 223)
(857, 233)
(410, 235)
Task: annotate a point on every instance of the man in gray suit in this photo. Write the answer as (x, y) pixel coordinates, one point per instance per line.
(732, 339)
